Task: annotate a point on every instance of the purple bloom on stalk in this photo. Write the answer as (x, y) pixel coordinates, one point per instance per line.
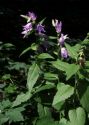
(62, 39)
(57, 25)
(32, 16)
(64, 53)
(27, 28)
(40, 28)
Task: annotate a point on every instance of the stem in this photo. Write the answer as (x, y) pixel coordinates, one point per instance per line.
(75, 88)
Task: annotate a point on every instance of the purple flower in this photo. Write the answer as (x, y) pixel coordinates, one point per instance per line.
(40, 28)
(64, 53)
(57, 25)
(62, 39)
(27, 28)
(32, 16)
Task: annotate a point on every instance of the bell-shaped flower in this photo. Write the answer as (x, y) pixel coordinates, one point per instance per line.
(32, 16)
(57, 25)
(27, 28)
(62, 39)
(40, 29)
(64, 53)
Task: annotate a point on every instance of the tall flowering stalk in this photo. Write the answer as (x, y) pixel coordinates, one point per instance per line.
(60, 37)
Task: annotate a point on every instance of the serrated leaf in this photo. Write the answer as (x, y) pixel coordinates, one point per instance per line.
(77, 116)
(45, 56)
(63, 93)
(33, 75)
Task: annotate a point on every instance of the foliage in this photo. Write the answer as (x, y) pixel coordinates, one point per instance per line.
(52, 87)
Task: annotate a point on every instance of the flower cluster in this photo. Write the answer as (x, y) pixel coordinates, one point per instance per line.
(39, 29)
(31, 21)
(61, 37)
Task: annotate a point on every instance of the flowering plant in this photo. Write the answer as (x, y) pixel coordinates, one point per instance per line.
(57, 88)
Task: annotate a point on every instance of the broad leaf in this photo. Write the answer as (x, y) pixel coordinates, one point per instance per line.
(45, 56)
(63, 93)
(72, 70)
(83, 91)
(33, 75)
(21, 98)
(77, 116)
(15, 114)
(73, 50)
(46, 120)
(60, 65)
(3, 119)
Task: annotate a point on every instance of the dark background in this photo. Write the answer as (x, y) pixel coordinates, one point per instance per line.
(73, 13)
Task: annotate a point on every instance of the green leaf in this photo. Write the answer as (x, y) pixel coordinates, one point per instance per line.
(63, 121)
(72, 70)
(77, 116)
(52, 37)
(73, 50)
(15, 114)
(6, 103)
(10, 89)
(60, 65)
(85, 41)
(33, 75)
(32, 47)
(63, 93)
(43, 111)
(83, 91)
(45, 87)
(6, 76)
(42, 21)
(45, 56)
(50, 76)
(3, 119)
(26, 50)
(21, 98)
(45, 121)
